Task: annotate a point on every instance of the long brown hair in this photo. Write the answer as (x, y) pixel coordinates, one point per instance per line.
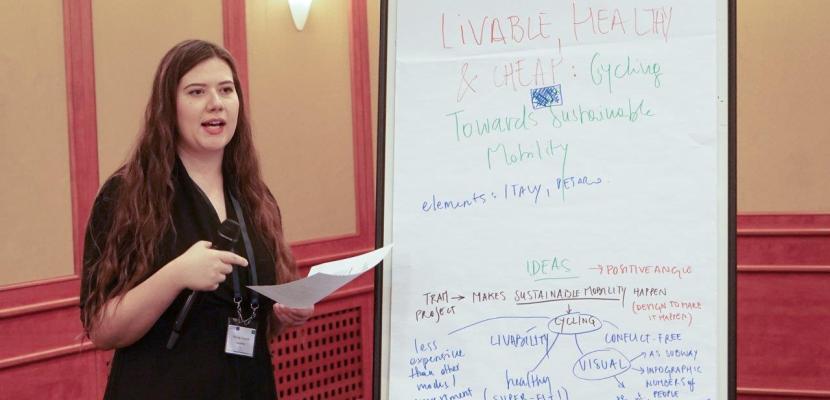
(144, 196)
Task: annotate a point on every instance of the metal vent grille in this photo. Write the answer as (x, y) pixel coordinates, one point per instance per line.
(321, 360)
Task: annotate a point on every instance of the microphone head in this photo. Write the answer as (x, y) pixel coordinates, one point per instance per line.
(229, 231)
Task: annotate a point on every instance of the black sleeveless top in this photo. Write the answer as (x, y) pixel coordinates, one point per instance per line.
(197, 367)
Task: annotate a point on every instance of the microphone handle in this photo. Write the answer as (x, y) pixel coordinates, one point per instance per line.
(225, 245)
(174, 336)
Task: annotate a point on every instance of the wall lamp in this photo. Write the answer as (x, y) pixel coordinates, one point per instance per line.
(299, 12)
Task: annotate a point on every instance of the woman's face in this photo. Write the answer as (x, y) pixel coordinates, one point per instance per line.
(207, 107)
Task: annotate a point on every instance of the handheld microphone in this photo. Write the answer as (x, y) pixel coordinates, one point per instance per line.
(226, 239)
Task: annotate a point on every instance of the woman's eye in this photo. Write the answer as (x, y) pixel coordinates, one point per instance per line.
(195, 92)
(228, 89)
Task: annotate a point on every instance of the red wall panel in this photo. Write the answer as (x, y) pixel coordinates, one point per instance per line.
(66, 377)
(28, 333)
(783, 330)
(783, 293)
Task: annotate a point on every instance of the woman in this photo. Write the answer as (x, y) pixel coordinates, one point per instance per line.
(148, 242)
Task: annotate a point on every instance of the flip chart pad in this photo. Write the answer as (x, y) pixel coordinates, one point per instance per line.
(556, 189)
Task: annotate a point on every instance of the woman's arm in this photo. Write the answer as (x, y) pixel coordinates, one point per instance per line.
(125, 319)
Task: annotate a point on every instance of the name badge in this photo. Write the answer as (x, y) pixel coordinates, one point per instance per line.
(240, 340)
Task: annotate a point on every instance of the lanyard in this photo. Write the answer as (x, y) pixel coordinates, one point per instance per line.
(249, 251)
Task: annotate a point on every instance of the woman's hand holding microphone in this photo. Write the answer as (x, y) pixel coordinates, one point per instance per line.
(202, 268)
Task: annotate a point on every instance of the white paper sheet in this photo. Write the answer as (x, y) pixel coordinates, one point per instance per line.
(322, 280)
(352, 265)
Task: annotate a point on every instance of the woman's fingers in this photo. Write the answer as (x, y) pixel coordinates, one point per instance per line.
(231, 258)
(292, 316)
(301, 313)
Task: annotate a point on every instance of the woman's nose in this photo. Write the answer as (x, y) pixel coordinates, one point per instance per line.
(215, 102)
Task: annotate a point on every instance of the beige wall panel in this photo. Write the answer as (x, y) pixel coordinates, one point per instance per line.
(35, 208)
(300, 92)
(130, 38)
(783, 133)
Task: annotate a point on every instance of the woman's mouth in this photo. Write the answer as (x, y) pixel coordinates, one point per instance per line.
(214, 126)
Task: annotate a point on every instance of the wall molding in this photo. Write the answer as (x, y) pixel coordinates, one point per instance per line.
(791, 242)
(235, 39)
(83, 128)
(775, 223)
(780, 392)
(44, 355)
(38, 291)
(40, 282)
(783, 232)
(785, 268)
(362, 119)
(11, 312)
